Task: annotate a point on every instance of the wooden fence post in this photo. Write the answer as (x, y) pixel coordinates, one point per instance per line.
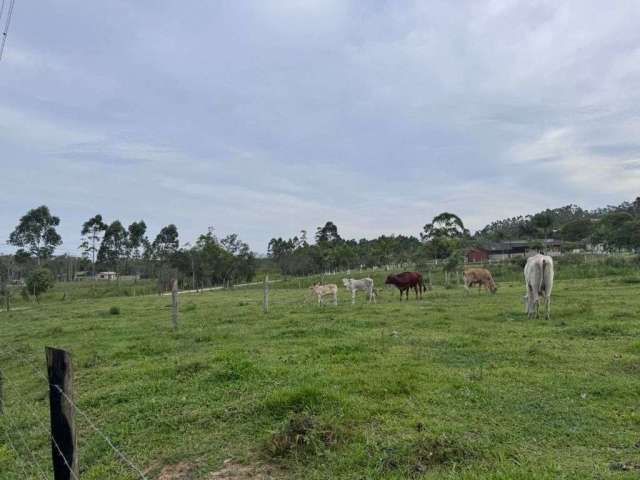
(64, 443)
(265, 303)
(174, 304)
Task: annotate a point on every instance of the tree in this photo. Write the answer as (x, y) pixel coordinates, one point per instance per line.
(544, 221)
(36, 234)
(577, 230)
(327, 234)
(166, 243)
(135, 240)
(38, 282)
(444, 235)
(6, 265)
(113, 245)
(92, 231)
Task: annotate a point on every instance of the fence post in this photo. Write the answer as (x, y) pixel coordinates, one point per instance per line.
(64, 444)
(265, 303)
(1, 395)
(174, 304)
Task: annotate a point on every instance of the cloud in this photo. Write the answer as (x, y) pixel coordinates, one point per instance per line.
(263, 118)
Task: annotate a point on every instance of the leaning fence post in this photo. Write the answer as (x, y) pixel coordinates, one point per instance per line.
(265, 303)
(64, 444)
(174, 304)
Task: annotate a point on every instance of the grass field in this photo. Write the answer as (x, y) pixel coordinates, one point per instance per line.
(454, 386)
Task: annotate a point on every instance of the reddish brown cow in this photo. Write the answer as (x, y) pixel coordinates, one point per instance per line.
(405, 281)
(481, 277)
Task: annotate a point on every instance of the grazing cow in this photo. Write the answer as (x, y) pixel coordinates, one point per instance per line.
(325, 290)
(407, 280)
(364, 285)
(481, 277)
(538, 277)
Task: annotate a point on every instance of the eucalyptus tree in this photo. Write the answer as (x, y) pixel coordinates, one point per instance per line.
(113, 246)
(92, 233)
(36, 234)
(445, 235)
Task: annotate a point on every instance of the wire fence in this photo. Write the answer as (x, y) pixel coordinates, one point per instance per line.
(30, 449)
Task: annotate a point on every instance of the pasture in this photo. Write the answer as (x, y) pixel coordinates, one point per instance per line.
(453, 386)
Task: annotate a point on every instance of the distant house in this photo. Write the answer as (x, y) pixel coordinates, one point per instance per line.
(507, 249)
(106, 275)
(478, 254)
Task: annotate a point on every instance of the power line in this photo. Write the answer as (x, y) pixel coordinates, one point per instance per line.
(5, 32)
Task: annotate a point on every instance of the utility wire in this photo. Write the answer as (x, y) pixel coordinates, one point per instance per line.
(5, 32)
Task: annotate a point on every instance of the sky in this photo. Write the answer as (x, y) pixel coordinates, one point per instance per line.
(264, 118)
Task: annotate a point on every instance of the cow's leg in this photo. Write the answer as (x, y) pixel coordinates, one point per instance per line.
(353, 297)
(335, 298)
(548, 304)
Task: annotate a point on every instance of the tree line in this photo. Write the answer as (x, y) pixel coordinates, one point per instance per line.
(110, 246)
(616, 227)
(212, 261)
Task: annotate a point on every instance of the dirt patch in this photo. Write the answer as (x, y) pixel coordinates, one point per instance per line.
(236, 471)
(179, 471)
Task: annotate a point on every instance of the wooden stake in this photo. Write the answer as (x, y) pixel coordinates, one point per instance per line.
(174, 304)
(64, 443)
(265, 303)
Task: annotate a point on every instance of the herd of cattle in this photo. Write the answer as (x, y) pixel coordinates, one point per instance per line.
(538, 277)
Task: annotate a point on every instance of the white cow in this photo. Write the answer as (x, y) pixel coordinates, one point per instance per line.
(538, 277)
(325, 290)
(364, 285)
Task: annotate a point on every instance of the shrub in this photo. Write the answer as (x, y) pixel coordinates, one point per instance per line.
(114, 311)
(38, 282)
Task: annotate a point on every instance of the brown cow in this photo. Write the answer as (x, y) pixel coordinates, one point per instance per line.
(481, 277)
(405, 281)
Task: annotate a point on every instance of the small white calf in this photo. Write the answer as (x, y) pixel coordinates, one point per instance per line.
(364, 285)
(538, 277)
(325, 290)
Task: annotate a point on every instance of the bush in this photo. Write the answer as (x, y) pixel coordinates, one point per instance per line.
(38, 282)
(114, 311)
(616, 262)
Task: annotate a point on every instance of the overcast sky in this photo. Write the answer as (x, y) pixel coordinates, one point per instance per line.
(264, 118)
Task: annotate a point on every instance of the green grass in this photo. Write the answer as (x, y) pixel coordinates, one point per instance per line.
(455, 386)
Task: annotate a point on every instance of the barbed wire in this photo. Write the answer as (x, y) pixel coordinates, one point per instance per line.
(47, 432)
(26, 446)
(94, 427)
(18, 456)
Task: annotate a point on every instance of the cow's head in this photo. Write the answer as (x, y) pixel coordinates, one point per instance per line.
(493, 288)
(390, 280)
(346, 282)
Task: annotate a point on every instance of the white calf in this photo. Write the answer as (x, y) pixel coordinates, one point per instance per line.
(325, 290)
(538, 277)
(364, 285)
